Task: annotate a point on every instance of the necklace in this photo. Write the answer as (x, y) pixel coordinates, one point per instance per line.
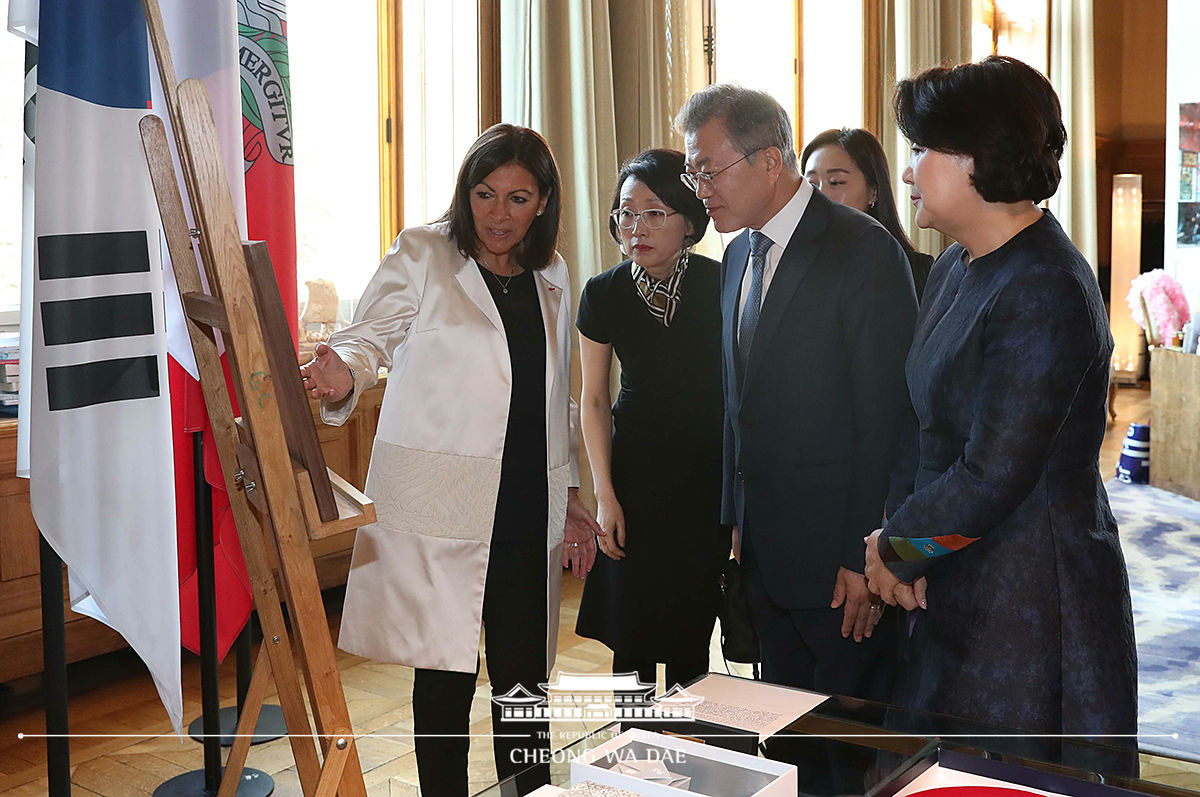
(503, 284)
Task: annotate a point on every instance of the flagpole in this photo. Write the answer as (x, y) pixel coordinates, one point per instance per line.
(271, 724)
(210, 694)
(54, 673)
(207, 781)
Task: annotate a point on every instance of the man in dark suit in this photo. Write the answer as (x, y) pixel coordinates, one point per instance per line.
(818, 309)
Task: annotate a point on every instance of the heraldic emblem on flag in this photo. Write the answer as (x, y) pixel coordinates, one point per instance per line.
(100, 452)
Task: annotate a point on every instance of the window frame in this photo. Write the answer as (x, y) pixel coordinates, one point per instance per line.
(391, 121)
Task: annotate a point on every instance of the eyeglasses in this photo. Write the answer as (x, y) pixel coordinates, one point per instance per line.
(652, 219)
(694, 180)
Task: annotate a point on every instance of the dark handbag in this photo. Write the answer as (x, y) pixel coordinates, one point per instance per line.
(739, 642)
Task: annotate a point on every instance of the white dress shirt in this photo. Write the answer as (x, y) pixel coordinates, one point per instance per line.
(779, 229)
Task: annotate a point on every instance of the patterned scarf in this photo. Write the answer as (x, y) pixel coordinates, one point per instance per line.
(661, 296)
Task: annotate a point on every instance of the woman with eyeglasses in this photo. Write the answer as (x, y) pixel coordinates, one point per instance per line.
(656, 453)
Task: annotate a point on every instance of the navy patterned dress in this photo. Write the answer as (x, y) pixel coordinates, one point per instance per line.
(1003, 510)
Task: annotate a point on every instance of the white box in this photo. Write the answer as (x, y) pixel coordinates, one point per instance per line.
(714, 771)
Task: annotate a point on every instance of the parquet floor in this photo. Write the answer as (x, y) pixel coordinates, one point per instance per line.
(122, 743)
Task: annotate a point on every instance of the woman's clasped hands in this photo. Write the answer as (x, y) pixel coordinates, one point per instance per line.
(881, 581)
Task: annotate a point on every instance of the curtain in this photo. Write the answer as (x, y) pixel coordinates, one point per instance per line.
(918, 34)
(557, 78)
(658, 60)
(1071, 73)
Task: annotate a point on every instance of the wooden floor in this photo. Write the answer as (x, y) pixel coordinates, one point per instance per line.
(122, 745)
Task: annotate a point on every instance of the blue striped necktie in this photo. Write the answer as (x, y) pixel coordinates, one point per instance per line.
(759, 245)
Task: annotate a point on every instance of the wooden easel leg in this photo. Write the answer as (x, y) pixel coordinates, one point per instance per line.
(341, 751)
(277, 645)
(246, 725)
(281, 516)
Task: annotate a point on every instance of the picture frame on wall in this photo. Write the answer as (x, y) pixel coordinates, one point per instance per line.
(1187, 228)
(1188, 231)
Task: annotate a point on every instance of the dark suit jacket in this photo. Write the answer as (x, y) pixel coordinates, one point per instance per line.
(810, 427)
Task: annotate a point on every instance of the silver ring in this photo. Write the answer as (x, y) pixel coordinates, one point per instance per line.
(574, 545)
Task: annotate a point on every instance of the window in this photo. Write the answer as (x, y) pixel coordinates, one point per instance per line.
(1019, 28)
(441, 101)
(12, 78)
(810, 59)
(381, 127)
(758, 55)
(335, 92)
(832, 36)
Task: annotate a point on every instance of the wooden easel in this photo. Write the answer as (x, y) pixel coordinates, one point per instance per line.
(279, 489)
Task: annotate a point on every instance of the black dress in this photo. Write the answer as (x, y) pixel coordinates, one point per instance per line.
(660, 601)
(1029, 621)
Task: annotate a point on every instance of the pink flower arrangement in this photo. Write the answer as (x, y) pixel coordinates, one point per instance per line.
(1165, 300)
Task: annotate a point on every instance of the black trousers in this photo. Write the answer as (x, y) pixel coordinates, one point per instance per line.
(514, 620)
(804, 648)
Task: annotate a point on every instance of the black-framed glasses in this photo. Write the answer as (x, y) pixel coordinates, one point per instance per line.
(694, 180)
(651, 218)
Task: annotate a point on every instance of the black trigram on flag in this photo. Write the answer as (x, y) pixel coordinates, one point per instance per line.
(80, 255)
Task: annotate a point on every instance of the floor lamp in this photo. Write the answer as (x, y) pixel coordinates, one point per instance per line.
(1126, 266)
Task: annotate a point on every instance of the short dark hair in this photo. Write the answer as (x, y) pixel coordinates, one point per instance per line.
(1000, 111)
(867, 153)
(659, 170)
(501, 145)
(753, 119)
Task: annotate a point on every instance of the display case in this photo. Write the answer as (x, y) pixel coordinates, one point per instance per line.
(648, 763)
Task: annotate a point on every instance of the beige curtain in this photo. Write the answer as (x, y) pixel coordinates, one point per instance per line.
(556, 77)
(918, 34)
(601, 80)
(658, 60)
(1071, 72)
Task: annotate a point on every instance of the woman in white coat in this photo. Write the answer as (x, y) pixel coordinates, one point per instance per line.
(474, 470)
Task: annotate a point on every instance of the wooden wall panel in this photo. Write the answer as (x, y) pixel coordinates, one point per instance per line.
(18, 535)
(1174, 443)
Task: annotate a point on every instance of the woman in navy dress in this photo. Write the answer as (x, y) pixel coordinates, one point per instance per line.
(655, 453)
(999, 527)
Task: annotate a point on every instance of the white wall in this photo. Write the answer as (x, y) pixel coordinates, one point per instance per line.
(1183, 85)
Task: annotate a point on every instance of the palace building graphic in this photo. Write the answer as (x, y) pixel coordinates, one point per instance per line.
(597, 696)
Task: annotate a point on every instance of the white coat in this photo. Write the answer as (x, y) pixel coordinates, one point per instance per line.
(415, 590)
